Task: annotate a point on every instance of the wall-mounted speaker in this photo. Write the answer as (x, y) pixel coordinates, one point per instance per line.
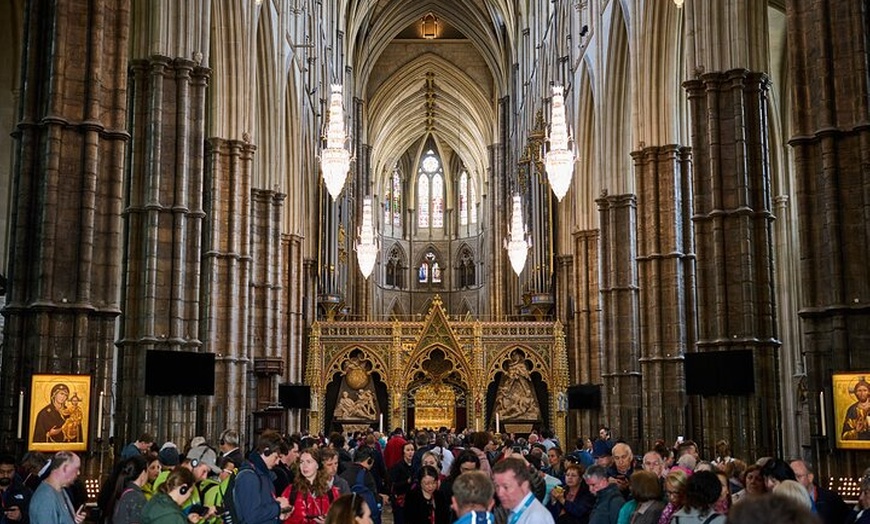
(294, 396)
(179, 373)
(712, 373)
(584, 396)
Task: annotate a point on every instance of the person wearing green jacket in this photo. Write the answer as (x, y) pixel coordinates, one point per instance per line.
(165, 506)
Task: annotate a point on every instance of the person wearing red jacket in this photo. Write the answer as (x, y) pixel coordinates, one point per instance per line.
(393, 449)
(310, 494)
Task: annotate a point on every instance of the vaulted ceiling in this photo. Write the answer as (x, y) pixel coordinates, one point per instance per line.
(415, 89)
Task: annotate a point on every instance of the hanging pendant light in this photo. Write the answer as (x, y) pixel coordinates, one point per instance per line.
(335, 159)
(560, 159)
(367, 246)
(519, 243)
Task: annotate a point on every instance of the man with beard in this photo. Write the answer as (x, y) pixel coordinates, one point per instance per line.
(14, 495)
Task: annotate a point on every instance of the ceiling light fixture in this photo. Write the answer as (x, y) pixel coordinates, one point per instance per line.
(560, 158)
(367, 246)
(519, 242)
(429, 26)
(334, 158)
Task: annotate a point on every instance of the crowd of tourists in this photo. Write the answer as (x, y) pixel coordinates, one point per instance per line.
(422, 477)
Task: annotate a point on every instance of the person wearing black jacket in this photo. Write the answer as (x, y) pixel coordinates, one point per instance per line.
(425, 504)
(14, 495)
(401, 480)
(364, 461)
(828, 505)
(285, 469)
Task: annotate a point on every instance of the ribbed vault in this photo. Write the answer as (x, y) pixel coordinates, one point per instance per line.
(371, 26)
(399, 114)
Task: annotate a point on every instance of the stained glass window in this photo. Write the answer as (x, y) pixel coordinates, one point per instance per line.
(423, 201)
(430, 270)
(430, 192)
(463, 199)
(397, 200)
(472, 202)
(437, 200)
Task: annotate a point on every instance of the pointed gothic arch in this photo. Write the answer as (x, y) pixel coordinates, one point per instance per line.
(396, 309)
(395, 267)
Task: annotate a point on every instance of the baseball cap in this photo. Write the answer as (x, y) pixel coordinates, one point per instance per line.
(203, 455)
(197, 441)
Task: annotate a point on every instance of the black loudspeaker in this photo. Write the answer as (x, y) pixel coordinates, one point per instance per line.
(292, 396)
(179, 373)
(584, 396)
(720, 373)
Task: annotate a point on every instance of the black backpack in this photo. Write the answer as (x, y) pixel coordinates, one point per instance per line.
(230, 513)
(359, 487)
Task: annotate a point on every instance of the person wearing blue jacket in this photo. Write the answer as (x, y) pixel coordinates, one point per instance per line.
(254, 491)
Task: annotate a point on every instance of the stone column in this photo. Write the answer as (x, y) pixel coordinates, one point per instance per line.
(265, 314)
(666, 277)
(501, 276)
(620, 366)
(733, 229)
(65, 257)
(558, 384)
(584, 348)
(831, 142)
(164, 238)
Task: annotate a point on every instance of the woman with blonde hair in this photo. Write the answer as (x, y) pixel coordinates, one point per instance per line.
(675, 489)
(310, 494)
(793, 490)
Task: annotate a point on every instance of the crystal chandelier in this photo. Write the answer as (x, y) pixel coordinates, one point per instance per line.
(367, 246)
(518, 244)
(560, 159)
(335, 159)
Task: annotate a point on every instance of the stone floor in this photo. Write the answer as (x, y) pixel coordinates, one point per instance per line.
(387, 515)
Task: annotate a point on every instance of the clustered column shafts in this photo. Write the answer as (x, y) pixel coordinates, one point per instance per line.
(584, 329)
(620, 344)
(666, 278)
(65, 235)
(164, 237)
(299, 277)
(831, 144)
(733, 228)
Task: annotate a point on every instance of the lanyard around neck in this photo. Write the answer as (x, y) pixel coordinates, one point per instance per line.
(515, 515)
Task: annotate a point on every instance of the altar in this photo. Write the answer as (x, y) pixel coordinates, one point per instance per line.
(437, 372)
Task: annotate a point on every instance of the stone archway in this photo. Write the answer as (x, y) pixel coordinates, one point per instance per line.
(436, 391)
(433, 405)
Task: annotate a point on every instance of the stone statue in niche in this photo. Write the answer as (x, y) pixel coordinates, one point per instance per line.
(515, 399)
(357, 399)
(346, 406)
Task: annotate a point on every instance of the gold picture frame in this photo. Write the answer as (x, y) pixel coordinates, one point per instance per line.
(59, 413)
(852, 409)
